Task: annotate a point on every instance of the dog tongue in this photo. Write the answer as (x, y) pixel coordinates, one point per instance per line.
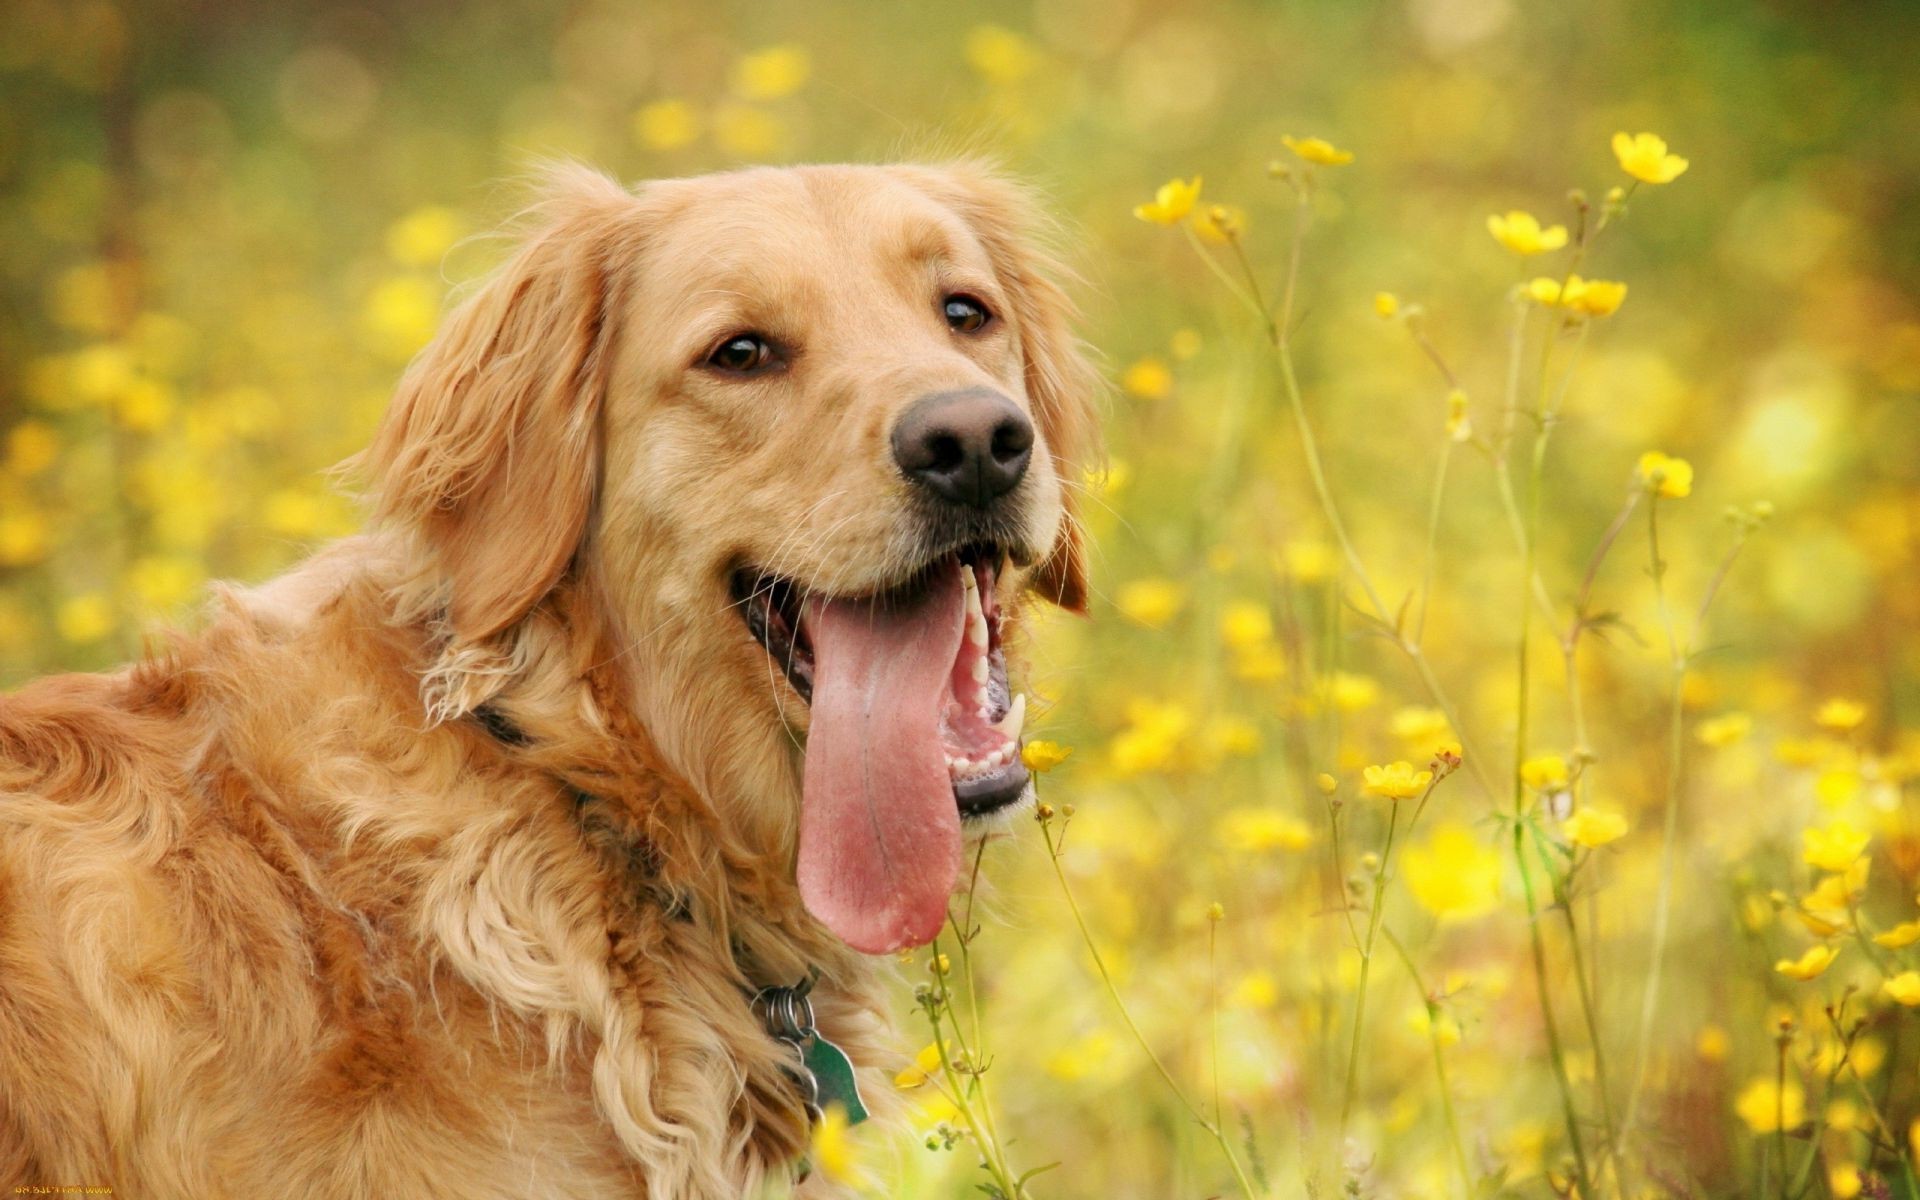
(879, 829)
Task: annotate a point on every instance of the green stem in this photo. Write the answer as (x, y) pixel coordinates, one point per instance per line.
(1366, 966)
(1439, 1063)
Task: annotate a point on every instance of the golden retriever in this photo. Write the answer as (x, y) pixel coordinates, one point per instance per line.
(672, 667)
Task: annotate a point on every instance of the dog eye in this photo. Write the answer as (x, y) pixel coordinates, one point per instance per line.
(966, 314)
(742, 354)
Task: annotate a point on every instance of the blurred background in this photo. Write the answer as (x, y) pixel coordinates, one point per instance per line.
(225, 228)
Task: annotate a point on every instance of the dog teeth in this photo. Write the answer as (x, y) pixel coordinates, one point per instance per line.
(976, 616)
(980, 669)
(1011, 724)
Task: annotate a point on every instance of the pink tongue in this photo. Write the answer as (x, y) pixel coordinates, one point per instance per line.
(879, 830)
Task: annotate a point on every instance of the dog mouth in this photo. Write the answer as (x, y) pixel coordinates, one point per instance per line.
(913, 727)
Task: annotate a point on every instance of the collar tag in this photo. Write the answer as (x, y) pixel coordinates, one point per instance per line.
(825, 1072)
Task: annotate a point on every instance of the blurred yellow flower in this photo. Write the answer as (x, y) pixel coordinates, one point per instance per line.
(1351, 693)
(1220, 223)
(1723, 731)
(1424, 728)
(1843, 1181)
(1309, 562)
(1317, 150)
(1184, 344)
(1453, 874)
(770, 74)
(1834, 847)
(1263, 662)
(1149, 379)
(1900, 936)
(163, 583)
(423, 237)
(1840, 715)
(666, 125)
(24, 537)
(1593, 297)
(1041, 756)
(1802, 752)
(1811, 965)
(1395, 781)
(1255, 989)
(1255, 830)
(1246, 623)
(999, 55)
(1154, 733)
(747, 131)
(1171, 203)
(1078, 1058)
(1327, 784)
(1713, 1044)
(85, 618)
(1667, 477)
(1904, 988)
(1644, 156)
(1459, 422)
(1150, 602)
(1594, 827)
(1766, 1107)
(32, 447)
(1386, 304)
(400, 314)
(1521, 233)
(1544, 772)
(832, 1151)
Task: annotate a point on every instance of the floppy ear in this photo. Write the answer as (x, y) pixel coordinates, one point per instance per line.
(490, 451)
(1061, 382)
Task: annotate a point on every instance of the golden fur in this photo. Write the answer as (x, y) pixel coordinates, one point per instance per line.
(280, 916)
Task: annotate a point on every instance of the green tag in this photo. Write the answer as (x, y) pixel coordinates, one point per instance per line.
(833, 1075)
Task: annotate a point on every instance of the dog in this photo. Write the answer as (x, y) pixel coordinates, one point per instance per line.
(672, 667)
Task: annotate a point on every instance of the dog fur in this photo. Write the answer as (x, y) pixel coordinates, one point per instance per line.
(445, 864)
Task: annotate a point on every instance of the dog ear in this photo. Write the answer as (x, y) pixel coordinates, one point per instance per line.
(490, 450)
(1061, 382)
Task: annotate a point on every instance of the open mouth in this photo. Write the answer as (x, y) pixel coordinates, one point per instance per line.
(912, 727)
(982, 719)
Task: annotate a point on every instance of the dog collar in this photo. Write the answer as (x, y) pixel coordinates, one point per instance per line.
(825, 1073)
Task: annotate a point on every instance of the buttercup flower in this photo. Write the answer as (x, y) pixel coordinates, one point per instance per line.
(1149, 379)
(1386, 304)
(1767, 1108)
(1042, 756)
(1591, 297)
(1521, 233)
(1545, 772)
(922, 1068)
(1644, 156)
(1835, 847)
(1810, 965)
(1899, 937)
(1840, 715)
(1904, 988)
(1318, 150)
(1725, 730)
(1395, 781)
(1220, 223)
(1669, 478)
(1594, 827)
(1171, 203)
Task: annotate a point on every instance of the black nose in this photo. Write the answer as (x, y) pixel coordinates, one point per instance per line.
(966, 447)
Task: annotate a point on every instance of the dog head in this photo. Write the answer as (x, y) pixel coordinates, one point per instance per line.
(807, 434)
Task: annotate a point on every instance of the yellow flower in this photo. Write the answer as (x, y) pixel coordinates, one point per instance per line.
(1843, 1180)
(666, 125)
(1309, 561)
(1184, 344)
(771, 73)
(1900, 936)
(746, 131)
(1713, 1044)
(1386, 304)
(832, 1151)
(1150, 602)
(1521, 233)
(1840, 715)
(1042, 756)
(1644, 156)
(922, 1068)
(1259, 829)
(1459, 422)
(1835, 847)
(1327, 784)
(1396, 781)
(1351, 693)
(1149, 379)
(1669, 478)
(1453, 874)
(1723, 731)
(1220, 223)
(1810, 965)
(32, 447)
(1246, 623)
(1318, 150)
(1216, 911)
(1424, 728)
(423, 236)
(1593, 297)
(1766, 1107)
(1545, 773)
(1000, 55)
(85, 618)
(1594, 827)
(24, 538)
(1904, 987)
(1171, 203)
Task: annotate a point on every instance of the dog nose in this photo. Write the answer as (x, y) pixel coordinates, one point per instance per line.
(967, 447)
